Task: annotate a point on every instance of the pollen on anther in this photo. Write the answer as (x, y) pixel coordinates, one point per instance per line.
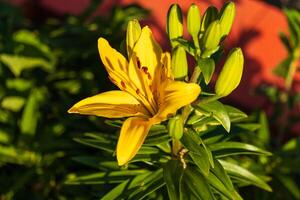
(149, 76)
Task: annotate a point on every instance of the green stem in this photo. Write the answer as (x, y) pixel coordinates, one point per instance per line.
(176, 144)
(197, 47)
(292, 69)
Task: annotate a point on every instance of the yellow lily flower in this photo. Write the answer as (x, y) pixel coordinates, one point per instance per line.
(148, 93)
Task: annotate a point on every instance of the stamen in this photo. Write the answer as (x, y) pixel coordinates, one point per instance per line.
(149, 76)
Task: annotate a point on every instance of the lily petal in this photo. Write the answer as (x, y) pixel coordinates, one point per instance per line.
(143, 64)
(111, 104)
(115, 64)
(148, 53)
(174, 95)
(132, 136)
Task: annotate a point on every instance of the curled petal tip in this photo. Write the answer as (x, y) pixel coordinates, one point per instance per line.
(73, 110)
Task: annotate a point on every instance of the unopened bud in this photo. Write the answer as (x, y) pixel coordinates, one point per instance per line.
(175, 127)
(211, 38)
(174, 24)
(132, 35)
(179, 63)
(193, 20)
(231, 74)
(227, 15)
(210, 15)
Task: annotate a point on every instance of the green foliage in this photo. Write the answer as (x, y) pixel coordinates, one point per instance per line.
(47, 154)
(276, 128)
(288, 66)
(202, 160)
(45, 66)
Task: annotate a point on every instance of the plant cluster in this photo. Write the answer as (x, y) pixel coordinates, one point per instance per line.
(193, 150)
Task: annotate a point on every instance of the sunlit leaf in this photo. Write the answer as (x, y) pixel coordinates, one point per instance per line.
(197, 152)
(19, 63)
(234, 170)
(217, 110)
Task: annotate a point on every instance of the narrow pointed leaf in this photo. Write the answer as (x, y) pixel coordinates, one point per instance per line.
(173, 172)
(234, 170)
(218, 111)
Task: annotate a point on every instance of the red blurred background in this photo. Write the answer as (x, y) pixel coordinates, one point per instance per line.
(256, 29)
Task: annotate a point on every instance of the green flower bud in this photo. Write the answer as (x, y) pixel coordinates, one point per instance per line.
(210, 15)
(231, 74)
(227, 15)
(193, 20)
(132, 35)
(175, 127)
(179, 63)
(211, 38)
(174, 24)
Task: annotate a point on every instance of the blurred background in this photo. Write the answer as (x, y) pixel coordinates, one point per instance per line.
(49, 60)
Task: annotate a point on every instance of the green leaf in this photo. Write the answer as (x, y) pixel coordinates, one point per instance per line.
(217, 110)
(197, 152)
(11, 154)
(92, 161)
(283, 67)
(103, 177)
(216, 184)
(207, 66)
(158, 134)
(234, 170)
(235, 114)
(294, 25)
(290, 184)
(30, 38)
(19, 63)
(219, 179)
(114, 123)
(123, 187)
(4, 136)
(197, 183)
(187, 45)
(285, 40)
(173, 172)
(263, 132)
(100, 141)
(13, 103)
(30, 115)
(223, 149)
(148, 150)
(248, 126)
(291, 145)
(19, 84)
(151, 184)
